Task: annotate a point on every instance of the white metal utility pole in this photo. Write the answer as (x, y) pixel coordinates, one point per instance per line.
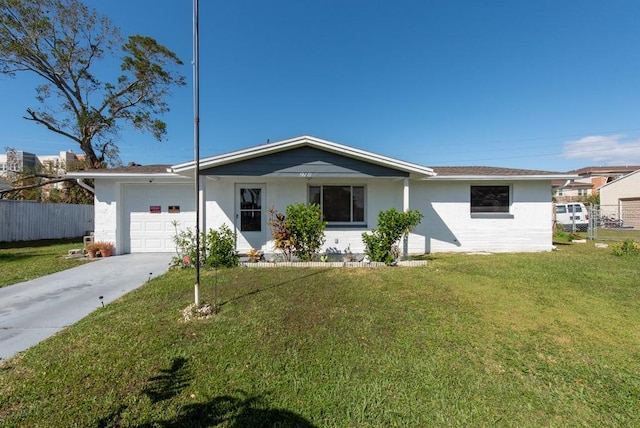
(196, 140)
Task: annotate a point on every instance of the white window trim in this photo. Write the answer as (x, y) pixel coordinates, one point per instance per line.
(340, 224)
(493, 215)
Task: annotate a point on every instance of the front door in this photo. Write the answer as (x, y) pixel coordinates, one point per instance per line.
(251, 223)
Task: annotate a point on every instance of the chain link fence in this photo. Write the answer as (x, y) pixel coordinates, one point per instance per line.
(614, 222)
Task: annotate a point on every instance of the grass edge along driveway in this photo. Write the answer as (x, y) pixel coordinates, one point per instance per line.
(508, 339)
(26, 260)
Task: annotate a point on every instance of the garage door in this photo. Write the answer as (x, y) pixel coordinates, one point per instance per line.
(149, 214)
(630, 212)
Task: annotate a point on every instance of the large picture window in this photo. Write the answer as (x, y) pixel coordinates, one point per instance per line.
(490, 199)
(339, 204)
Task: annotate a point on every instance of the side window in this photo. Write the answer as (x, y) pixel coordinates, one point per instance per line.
(490, 199)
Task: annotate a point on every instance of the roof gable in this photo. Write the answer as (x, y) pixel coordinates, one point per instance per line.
(331, 159)
(304, 161)
(625, 178)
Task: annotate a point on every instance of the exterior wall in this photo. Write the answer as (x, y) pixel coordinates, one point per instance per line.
(621, 200)
(109, 223)
(446, 227)
(625, 188)
(449, 227)
(106, 204)
(381, 194)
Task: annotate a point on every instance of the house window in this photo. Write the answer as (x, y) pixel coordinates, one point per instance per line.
(339, 204)
(490, 199)
(582, 192)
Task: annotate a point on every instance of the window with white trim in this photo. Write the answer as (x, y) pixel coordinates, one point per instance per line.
(490, 199)
(340, 205)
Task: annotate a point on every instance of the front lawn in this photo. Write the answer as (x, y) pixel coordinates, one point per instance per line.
(470, 340)
(22, 261)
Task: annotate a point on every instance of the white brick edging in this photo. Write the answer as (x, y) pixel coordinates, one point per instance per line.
(404, 263)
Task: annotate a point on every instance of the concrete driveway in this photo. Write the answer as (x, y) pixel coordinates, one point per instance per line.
(33, 310)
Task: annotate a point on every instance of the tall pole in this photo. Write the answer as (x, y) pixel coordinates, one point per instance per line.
(196, 141)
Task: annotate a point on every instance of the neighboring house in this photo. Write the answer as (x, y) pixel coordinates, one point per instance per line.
(590, 181)
(465, 209)
(620, 199)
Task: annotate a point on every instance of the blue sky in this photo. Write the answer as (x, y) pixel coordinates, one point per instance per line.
(546, 84)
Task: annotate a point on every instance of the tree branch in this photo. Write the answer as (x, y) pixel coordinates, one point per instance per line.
(34, 117)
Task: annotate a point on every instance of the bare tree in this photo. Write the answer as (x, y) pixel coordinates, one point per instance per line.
(62, 42)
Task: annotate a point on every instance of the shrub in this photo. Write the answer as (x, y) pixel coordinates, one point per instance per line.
(627, 247)
(299, 232)
(280, 233)
(381, 243)
(217, 248)
(306, 229)
(220, 248)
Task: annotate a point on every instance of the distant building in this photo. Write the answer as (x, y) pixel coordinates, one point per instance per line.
(20, 161)
(592, 179)
(15, 162)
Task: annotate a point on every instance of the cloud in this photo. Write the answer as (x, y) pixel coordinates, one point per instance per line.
(604, 150)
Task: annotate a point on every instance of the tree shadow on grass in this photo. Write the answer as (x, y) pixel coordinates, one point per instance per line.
(281, 284)
(170, 382)
(244, 411)
(14, 257)
(231, 411)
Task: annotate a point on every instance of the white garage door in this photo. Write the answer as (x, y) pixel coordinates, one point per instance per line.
(150, 211)
(630, 212)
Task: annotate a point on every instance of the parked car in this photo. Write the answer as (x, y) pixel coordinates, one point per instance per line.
(572, 216)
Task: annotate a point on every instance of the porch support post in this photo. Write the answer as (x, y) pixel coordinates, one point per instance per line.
(405, 206)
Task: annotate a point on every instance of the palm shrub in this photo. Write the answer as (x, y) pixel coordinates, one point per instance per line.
(381, 243)
(280, 233)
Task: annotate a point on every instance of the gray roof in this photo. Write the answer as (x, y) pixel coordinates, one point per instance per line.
(488, 171)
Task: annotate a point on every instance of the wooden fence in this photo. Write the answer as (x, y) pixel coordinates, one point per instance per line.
(30, 221)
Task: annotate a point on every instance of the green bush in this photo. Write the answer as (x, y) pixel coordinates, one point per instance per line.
(306, 229)
(220, 248)
(217, 248)
(381, 243)
(629, 246)
(299, 232)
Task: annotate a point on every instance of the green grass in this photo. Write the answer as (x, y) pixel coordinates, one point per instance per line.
(499, 340)
(22, 261)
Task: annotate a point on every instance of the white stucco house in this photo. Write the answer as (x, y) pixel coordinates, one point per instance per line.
(621, 199)
(466, 209)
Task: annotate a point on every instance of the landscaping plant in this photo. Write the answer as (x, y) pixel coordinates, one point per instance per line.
(280, 233)
(306, 229)
(217, 248)
(220, 248)
(381, 243)
(299, 232)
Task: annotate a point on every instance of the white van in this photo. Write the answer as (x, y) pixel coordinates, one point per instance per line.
(572, 216)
